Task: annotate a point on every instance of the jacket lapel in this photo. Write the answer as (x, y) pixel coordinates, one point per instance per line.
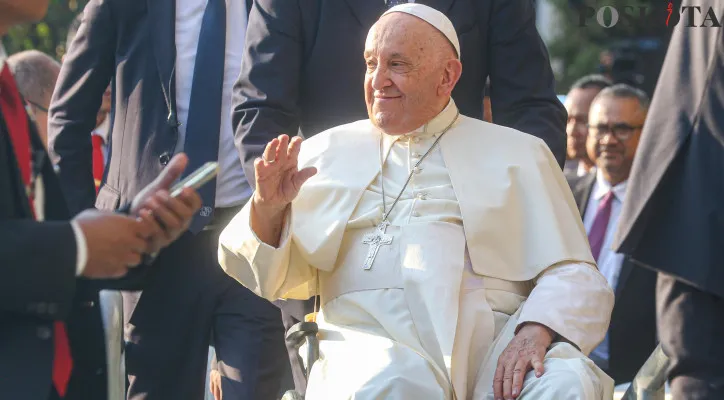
(582, 191)
(626, 267)
(162, 13)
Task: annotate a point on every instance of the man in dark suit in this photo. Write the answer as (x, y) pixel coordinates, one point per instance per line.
(302, 71)
(172, 65)
(616, 116)
(673, 216)
(52, 342)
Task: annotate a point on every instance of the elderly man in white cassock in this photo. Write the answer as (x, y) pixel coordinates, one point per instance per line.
(448, 254)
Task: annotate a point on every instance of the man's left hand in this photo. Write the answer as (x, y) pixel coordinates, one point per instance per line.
(527, 350)
(172, 215)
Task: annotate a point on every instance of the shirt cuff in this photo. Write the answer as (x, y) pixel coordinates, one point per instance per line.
(82, 246)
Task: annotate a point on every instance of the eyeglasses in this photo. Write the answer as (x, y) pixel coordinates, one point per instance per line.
(38, 106)
(622, 131)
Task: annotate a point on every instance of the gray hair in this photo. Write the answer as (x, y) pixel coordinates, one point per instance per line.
(36, 74)
(622, 90)
(597, 81)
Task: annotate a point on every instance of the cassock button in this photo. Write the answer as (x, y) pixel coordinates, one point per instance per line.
(164, 158)
(415, 214)
(44, 333)
(416, 155)
(416, 139)
(417, 170)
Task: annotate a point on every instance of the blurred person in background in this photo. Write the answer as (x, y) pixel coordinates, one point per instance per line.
(35, 73)
(172, 65)
(578, 103)
(672, 219)
(302, 72)
(616, 118)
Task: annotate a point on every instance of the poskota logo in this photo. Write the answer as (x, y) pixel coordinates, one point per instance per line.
(669, 14)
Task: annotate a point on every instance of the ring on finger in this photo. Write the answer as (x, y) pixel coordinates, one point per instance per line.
(268, 161)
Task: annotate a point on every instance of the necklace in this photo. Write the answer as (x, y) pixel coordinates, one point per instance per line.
(379, 237)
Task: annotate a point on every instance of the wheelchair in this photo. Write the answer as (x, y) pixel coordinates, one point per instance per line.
(648, 384)
(303, 333)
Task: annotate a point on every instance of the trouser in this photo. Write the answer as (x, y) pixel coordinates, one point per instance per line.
(187, 302)
(691, 326)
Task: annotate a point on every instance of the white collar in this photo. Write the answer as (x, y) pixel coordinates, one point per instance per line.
(431, 129)
(103, 128)
(603, 187)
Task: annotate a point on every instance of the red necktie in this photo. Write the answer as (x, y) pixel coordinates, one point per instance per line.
(597, 235)
(14, 115)
(98, 164)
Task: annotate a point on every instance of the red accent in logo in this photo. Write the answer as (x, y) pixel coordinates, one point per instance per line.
(670, 9)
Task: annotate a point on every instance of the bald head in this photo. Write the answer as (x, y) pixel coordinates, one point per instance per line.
(36, 74)
(412, 69)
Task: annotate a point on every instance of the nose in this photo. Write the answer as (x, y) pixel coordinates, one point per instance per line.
(608, 138)
(380, 78)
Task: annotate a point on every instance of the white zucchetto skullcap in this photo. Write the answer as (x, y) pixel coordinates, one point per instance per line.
(432, 17)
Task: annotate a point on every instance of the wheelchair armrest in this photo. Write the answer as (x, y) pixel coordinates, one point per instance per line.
(300, 331)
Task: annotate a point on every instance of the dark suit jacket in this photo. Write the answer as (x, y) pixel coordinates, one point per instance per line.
(673, 216)
(39, 286)
(131, 43)
(303, 69)
(632, 332)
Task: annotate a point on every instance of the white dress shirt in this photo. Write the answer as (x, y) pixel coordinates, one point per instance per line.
(609, 262)
(103, 130)
(231, 185)
(39, 204)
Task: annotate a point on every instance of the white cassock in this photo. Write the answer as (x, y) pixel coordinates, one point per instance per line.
(485, 237)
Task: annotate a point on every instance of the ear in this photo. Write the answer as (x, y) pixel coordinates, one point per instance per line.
(451, 76)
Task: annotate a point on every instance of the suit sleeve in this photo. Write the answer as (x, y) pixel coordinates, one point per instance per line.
(265, 101)
(38, 260)
(522, 84)
(84, 76)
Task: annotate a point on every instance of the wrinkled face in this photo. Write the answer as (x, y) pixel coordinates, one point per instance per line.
(614, 135)
(411, 71)
(578, 103)
(13, 12)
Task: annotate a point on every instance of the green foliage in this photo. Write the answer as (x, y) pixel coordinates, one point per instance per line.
(47, 35)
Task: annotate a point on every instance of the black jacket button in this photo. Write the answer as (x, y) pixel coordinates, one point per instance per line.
(164, 158)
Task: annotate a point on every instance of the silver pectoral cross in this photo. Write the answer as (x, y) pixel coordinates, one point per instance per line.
(375, 240)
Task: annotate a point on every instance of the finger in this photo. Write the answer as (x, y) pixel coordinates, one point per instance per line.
(158, 235)
(283, 148)
(132, 260)
(302, 176)
(191, 199)
(537, 362)
(172, 172)
(508, 379)
(168, 220)
(294, 147)
(498, 381)
(270, 152)
(519, 371)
